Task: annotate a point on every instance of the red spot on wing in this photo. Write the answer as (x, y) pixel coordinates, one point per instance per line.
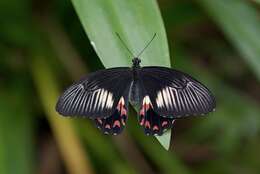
(146, 104)
(142, 111)
(116, 123)
(155, 128)
(108, 126)
(152, 122)
(164, 123)
(142, 122)
(99, 121)
(123, 111)
(147, 124)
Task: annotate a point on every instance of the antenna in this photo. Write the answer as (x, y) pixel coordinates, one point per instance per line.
(125, 44)
(141, 52)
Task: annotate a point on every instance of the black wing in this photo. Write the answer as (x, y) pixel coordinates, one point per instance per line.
(97, 95)
(174, 94)
(115, 123)
(152, 122)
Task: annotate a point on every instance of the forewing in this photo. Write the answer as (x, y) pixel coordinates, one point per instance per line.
(175, 94)
(96, 95)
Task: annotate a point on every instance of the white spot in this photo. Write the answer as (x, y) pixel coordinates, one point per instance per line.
(100, 98)
(159, 100)
(146, 100)
(122, 101)
(97, 97)
(168, 96)
(104, 97)
(110, 101)
(165, 98)
(172, 95)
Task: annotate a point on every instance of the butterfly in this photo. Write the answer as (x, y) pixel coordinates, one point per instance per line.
(162, 95)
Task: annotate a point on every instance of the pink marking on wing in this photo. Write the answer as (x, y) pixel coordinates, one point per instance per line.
(123, 111)
(147, 106)
(144, 108)
(99, 120)
(147, 124)
(108, 126)
(121, 107)
(142, 122)
(173, 121)
(118, 107)
(116, 123)
(142, 111)
(155, 127)
(121, 103)
(164, 123)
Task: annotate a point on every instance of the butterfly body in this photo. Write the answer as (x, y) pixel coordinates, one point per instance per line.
(135, 87)
(161, 94)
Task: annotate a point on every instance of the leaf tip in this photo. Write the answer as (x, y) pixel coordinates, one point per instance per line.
(165, 139)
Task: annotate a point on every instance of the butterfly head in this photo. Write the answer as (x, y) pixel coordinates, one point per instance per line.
(136, 62)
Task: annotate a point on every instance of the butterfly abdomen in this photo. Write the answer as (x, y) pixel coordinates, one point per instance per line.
(134, 93)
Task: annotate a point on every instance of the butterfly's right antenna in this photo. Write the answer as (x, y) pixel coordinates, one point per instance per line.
(125, 44)
(141, 52)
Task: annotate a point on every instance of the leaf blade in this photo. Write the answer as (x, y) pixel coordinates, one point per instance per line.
(136, 22)
(136, 31)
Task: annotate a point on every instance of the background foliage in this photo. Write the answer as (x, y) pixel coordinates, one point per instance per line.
(43, 49)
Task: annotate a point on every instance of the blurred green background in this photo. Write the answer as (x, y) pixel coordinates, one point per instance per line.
(43, 49)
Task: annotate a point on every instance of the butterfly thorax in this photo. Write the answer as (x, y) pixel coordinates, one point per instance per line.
(136, 62)
(135, 67)
(134, 88)
(134, 92)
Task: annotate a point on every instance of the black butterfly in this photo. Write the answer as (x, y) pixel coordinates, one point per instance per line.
(162, 94)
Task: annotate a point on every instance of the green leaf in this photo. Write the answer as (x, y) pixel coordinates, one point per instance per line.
(74, 156)
(164, 140)
(16, 134)
(136, 21)
(236, 116)
(241, 24)
(165, 161)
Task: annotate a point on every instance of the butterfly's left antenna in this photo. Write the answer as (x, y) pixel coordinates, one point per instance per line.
(125, 45)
